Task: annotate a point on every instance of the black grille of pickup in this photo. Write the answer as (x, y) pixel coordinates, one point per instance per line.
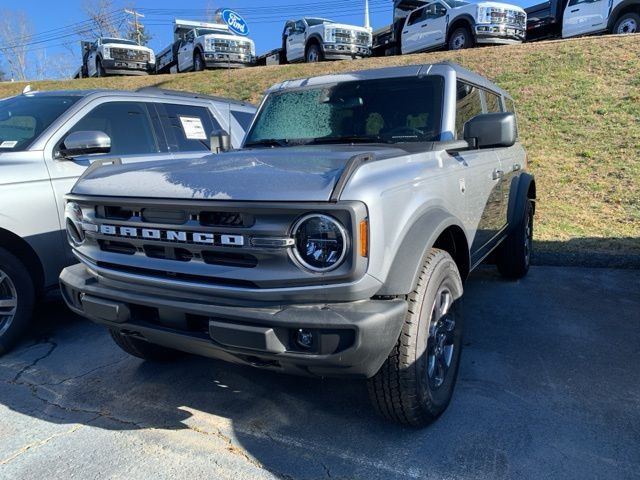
(129, 55)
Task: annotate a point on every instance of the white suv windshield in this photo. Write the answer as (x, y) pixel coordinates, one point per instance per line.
(24, 118)
(395, 110)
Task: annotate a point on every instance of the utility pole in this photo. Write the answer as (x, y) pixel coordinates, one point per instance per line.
(135, 23)
(367, 21)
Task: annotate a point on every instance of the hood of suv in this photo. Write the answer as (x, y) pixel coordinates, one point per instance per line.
(278, 174)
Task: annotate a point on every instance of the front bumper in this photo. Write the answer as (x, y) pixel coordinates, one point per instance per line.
(121, 67)
(499, 34)
(342, 51)
(351, 339)
(226, 60)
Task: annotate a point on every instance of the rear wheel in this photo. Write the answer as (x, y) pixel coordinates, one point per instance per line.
(460, 38)
(142, 349)
(314, 54)
(627, 23)
(415, 384)
(17, 297)
(514, 254)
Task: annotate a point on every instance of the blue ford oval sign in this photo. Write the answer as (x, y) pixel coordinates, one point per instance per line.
(235, 22)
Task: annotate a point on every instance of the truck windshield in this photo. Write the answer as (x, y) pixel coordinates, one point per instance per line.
(107, 41)
(24, 118)
(393, 110)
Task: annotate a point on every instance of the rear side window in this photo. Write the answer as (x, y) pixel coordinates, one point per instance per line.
(128, 124)
(468, 105)
(509, 106)
(493, 102)
(187, 127)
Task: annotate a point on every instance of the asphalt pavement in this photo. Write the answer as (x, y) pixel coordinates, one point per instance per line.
(549, 388)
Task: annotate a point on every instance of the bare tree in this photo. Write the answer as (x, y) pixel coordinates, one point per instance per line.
(15, 31)
(103, 20)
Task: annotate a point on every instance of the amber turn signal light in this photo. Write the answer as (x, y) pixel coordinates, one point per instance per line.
(364, 238)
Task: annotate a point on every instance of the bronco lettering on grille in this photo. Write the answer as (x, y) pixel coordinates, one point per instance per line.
(202, 238)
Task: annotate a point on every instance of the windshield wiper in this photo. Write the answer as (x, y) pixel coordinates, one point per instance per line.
(346, 139)
(268, 142)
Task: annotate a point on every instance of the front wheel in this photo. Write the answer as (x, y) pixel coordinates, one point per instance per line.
(100, 71)
(17, 297)
(198, 62)
(460, 38)
(514, 254)
(314, 54)
(415, 384)
(627, 23)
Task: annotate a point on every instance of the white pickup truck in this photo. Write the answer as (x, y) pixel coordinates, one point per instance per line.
(317, 39)
(421, 25)
(200, 45)
(115, 56)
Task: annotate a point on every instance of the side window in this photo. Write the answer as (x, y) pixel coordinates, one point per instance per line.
(300, 27)
(468, 105)
(415, 17)
(435, 10)
(578, 2)
(493, 102)
(187, 127)
(128, 124)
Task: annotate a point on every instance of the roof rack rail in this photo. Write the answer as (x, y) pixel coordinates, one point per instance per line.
(180, 93)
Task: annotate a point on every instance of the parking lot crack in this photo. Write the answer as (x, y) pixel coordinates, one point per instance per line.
(231, 447)
(82, 375)
(52, 346)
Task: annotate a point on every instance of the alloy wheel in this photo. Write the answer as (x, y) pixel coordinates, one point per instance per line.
(441, 343)
(8, 302)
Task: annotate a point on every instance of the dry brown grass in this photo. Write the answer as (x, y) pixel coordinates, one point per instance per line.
(579, 107)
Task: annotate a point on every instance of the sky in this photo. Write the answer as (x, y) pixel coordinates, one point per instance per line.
(265, 18)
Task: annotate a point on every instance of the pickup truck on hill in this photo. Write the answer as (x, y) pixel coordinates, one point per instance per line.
(572, 18)
(421, 25)
(49, 139)
(334, 243)
(115, 56)
(200, 45)
(316, 39)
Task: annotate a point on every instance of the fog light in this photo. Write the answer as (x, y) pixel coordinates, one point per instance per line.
(304, 338)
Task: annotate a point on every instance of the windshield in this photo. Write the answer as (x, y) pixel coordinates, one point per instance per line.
(456, 3)
(24, 118)
(394, 110)
(312, 22)
(210, 31)
(106, 41)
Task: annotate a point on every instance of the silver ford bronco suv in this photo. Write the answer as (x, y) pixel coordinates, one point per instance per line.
(335, 242)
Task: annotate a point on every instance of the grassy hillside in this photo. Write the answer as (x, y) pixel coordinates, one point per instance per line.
(579, 107)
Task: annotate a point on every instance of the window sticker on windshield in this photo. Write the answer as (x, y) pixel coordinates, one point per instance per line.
(8, 144)
(193, 128)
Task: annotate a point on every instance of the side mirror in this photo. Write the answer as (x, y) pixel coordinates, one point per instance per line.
(85, 143)
(220, 141)
(491, 130)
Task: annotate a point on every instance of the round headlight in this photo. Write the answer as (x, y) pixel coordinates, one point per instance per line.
(74, 217)
(321, 242)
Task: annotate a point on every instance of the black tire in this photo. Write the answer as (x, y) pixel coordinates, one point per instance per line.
(17, 298)
(415, 384)
(313, 54)
(460, 38)
(142, 349)
(513, 256)
(100, 72)
(198, 62)
(627, 23)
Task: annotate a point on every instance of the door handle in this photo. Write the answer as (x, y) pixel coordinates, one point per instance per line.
(575, 10)
(406, 31)
(498, 174)
(516, 167)
(423, 25)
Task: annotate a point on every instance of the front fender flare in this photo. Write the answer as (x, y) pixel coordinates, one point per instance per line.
(418, 240)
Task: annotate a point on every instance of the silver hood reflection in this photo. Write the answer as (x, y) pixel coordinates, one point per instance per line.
(278, 174)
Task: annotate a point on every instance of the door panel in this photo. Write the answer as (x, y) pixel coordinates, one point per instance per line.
(410, 40)
(584, 16)
(296, 42)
